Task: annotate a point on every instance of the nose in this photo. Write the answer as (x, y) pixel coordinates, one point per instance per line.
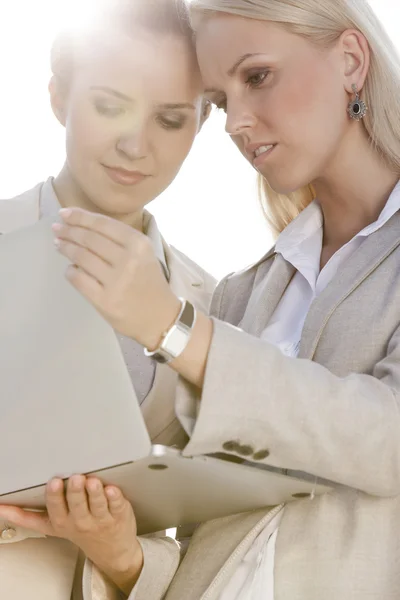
(133, 145)
(239, 118)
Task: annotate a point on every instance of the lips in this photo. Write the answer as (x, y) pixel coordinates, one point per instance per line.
(261, 153)
(124, 176)
(258, 152)
(262, 150)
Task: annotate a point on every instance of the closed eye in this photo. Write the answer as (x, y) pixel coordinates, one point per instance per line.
(172, 121)
(108, 109)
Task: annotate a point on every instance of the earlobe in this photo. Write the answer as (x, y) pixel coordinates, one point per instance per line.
(57, 100)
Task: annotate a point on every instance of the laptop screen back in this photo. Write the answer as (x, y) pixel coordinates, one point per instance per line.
(67, 404)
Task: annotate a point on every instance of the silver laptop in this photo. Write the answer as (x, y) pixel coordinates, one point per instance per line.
(68, 406)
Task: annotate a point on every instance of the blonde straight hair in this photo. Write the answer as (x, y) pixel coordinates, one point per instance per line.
(323, 22)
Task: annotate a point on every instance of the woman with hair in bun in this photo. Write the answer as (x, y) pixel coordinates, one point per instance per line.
(129, 94)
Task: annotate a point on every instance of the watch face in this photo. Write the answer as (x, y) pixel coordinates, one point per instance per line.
(176, 340)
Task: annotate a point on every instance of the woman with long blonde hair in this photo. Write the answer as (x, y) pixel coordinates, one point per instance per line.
(308, 379)
(129, 94)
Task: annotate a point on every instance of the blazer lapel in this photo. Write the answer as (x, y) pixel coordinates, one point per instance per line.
(360, 265)
(266, 296)
(186, 281)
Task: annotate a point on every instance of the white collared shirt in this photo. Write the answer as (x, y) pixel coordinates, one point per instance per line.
(300, 244)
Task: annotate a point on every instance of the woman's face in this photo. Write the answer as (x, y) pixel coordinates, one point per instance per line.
(131, 114)
(284, 97)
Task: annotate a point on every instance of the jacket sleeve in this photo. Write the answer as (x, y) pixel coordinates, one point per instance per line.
(162, 557)
(296, 414)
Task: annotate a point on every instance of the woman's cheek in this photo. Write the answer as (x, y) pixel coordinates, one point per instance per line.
(89, 136)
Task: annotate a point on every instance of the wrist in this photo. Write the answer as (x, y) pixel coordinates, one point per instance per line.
(165, 321)
(191, 364)
(126, 570)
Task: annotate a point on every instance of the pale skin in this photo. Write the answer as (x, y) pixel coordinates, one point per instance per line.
(136, 105)
(301, 107)
(295, 94)
(96, 518)
(115, 267)
(132, 104)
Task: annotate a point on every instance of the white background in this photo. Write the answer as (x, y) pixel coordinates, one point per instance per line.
(210, 212)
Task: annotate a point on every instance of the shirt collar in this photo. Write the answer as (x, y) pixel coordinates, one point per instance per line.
(309, 223)
(49, 207)
(301, 242)
(390, 208)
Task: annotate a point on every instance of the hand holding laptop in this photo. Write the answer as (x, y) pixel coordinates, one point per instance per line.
(96, 518)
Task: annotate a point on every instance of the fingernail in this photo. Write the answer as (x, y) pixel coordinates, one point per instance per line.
(56, 227)
(55, 485)
(94, 485)
(112, 492)
(77, 482)
(65, 212)
(57, 242)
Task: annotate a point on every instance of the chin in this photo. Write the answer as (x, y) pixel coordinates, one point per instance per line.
(120, 205)
(285, 182)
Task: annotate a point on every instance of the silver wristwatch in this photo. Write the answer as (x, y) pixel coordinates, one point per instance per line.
(175, 340)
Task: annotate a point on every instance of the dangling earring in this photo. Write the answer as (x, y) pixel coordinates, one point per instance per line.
(357, 109)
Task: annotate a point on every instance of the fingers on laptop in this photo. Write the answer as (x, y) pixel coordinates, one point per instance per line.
(83, 499)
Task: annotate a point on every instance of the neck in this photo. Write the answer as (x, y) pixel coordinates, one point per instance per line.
(354, 190)
(70, 194)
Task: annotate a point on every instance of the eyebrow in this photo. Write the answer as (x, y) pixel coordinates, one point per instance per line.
(175, 106)
(233, 69)
(101, 88)
(237, 64)
(164, 106)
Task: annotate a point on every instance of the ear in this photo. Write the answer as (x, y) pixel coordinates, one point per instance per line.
(58, 99)
(356, 53)
(206, 108)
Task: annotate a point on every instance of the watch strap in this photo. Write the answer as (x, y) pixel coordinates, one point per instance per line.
(175, 340)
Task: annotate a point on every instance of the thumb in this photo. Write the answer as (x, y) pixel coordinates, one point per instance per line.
(36, 521)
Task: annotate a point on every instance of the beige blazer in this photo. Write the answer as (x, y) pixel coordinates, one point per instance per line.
(334, 412)
(49, 556)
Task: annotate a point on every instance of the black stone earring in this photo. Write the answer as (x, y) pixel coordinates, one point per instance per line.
(357, 109)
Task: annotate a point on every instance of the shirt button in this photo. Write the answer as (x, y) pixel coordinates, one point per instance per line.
(231, 446)
(245, 450)
(8, 534)
(261, 455)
